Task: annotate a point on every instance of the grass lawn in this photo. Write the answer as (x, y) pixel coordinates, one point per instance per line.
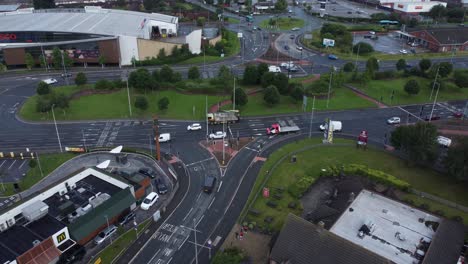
(112, 251)
(49, 162)
(342, 99)
(233, 20)
(313, 160)
(283, 23)
(384, 88)
(115, 105)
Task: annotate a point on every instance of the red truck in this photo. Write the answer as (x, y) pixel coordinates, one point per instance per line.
(278, 129)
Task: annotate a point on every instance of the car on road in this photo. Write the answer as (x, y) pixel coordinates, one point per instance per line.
(292, 36)
(458, 114)
(332, 57)
(432, 118)
(299, 48)
(394, 120)
(161, 187)
(334, 9)
(104, 234)
(218, 135)
(72, 255)
(286, 64)
(295, 29)
(194, 126)
(293, 68)
(126, 218)
(165, 137)
(403, 51)
(67, 74)
(408, 66)
(273, 68)
(349, 12)
(286, 47)
(209, 185)
(147, 172)
(150, 199)
(50, 81)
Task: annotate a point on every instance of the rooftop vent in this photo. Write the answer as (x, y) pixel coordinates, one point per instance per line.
(36, 242)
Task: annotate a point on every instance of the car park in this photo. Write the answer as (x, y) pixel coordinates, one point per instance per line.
(209, 185)
(50, 81)
(104, 234)
(150, 199)
(332, 57)
(161, 187)
(194, 126)
(218, 135)
(126, 218)
(293, 68)
(286, 64)
(274, 68)
(394, 120)
(74, 254)
(147, 172)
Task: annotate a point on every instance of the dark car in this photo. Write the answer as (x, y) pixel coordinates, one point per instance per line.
(458, 114)
(286, 47)
(367, 36)
(434, 117)
(332, 57)
(126, 218)
(292, 36)
(209, 185)
(147, 172)
(67, 74)
(72, 255)
(161, 187)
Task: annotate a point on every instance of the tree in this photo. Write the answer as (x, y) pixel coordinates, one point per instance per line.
(29, 61)
(401, 64)
(166, 73)
(461, 78)
(162, 54)
(413, 22)
(271, 95)
(297, 91)
(424, 64)
(412, 87)
(43, 104)
(456, 161)
(372, 65)
(281, 83)
(455, 15)
(225, 77)
(267, 79)
(60, 100)
(437, 12)
(418, 141)
(141, 80)
(445, 68)
(43, 4)
(281, 5)
(43, 88)
(42, 61)
(141, 102)
(194, 73)
(103, 85)
(156, 76)
(250, 75)
(163, 103)
(81, 79)
(102, 60)
(362, 48)
(241, 97)
(229, 256)
(261, 69)
(201, 21)
(3, 68)
(57, 58)
(348, 67)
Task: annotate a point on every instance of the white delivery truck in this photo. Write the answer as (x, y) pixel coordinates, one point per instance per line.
(336, 125)
(165, 137)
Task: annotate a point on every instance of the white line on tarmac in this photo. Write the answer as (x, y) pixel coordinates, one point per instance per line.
(154, 255)
(2, 163)
(198, 197)
(221, 184)
(24, 161)
(211, 202)
(187, 214)
(12, 164)
(199, 220)
(193, 163)
(409, 113)
(183, 242)
(169, 260)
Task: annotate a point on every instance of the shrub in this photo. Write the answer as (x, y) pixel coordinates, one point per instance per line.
(163, 103)
(80, 79)
(104, 85)
(32, 163)
(363, 48)
(141, 102)
(348, 67)
(424, 206)
(194, 73)
(461, 78)
(385, 75)
(412, 87)
(43, 88)
(271, 95)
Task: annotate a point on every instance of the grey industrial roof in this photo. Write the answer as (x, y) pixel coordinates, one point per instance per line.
(301, 242)
(8, 8)
(100, 21)
(446, 244)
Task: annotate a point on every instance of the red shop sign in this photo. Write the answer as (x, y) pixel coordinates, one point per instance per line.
(7, 36)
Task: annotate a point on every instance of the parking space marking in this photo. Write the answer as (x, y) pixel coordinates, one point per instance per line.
(24, 161)
(193, 163)
(187, 214)
(404, 110)
(12, 164)
(221, 184)
(2, 163)
(211, 202)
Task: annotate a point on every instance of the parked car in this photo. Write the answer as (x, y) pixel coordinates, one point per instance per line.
(150, 199)
(72, 255)
(434, 117)
(194, 126)
(67, 74)
(292, 36)
(458, 114)
(287, 64)
(332, 57)
(444, 141)
(50, 81)
(126, 218)
(286, 47)
(147, 172)
(403, 51)
(104, 234)
(161, 187)
(350, 12)
(294, 68)
(209, 185)
(367, 36)
(218, 135)
(295, 29)
(394, 120)
(299, 48)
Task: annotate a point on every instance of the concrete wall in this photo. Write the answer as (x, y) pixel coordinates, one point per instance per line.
(128, 49)
(213, 41)
(150, 48)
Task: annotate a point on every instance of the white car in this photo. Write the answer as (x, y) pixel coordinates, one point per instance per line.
(50, 81)
(299, 48)
(218, 135)
(444, 141)
(195, 126)
(151, 199)
(295, 29)
(273, 68)
(394, 120)
(403, 51)
(286, 64)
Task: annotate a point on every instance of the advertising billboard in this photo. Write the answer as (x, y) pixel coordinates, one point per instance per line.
(328, 42)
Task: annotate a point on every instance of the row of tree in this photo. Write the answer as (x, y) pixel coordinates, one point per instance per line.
(59, 59)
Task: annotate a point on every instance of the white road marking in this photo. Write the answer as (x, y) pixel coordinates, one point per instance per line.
(24, 161)
(211, 202)
(2, 163)
(187, 214)
(12, 164)
(199, 220)
(193, 163)
(409, 113)
(198, 197)
(219, 187)
(154, 255)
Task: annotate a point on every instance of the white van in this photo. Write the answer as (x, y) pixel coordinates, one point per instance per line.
(336, 125)
(50, 81)
(273, 68)
(165, 137)
(444, 141)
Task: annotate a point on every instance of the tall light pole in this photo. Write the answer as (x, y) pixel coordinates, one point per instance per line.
(433, 104)
(128, 95)
(206, 116)
(234, 95)
(311, 117)
(435, 81)
(64, 69)
(195, 235)
(357, 55)
(223, 143)
(44, 58)
(329, 88)
(107, 220)
(56, 129)
(84, 139)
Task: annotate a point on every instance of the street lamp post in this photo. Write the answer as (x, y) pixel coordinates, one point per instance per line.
(64, 69)
(435, 81)
(206, 116)
(56, 128)
(311, 117)
(128, 95)
(107, 220)
(234, 95)
(195, 235)
(329, 88)
(84, 139)
(435, 100)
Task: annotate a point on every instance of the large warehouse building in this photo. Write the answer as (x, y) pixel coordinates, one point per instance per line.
(86, 34)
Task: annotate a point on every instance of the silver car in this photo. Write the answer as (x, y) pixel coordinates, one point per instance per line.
(104, 234)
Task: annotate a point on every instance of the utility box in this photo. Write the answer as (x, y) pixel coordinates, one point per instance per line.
(35, 211)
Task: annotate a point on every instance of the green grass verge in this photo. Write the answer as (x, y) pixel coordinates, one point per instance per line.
(434, 206)
(121, 243)
(283, 23)
(383, 89)
(49, 162)
(200, 59)
(115, 106)
(342, 99)
(233, 20)
(313, 160)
